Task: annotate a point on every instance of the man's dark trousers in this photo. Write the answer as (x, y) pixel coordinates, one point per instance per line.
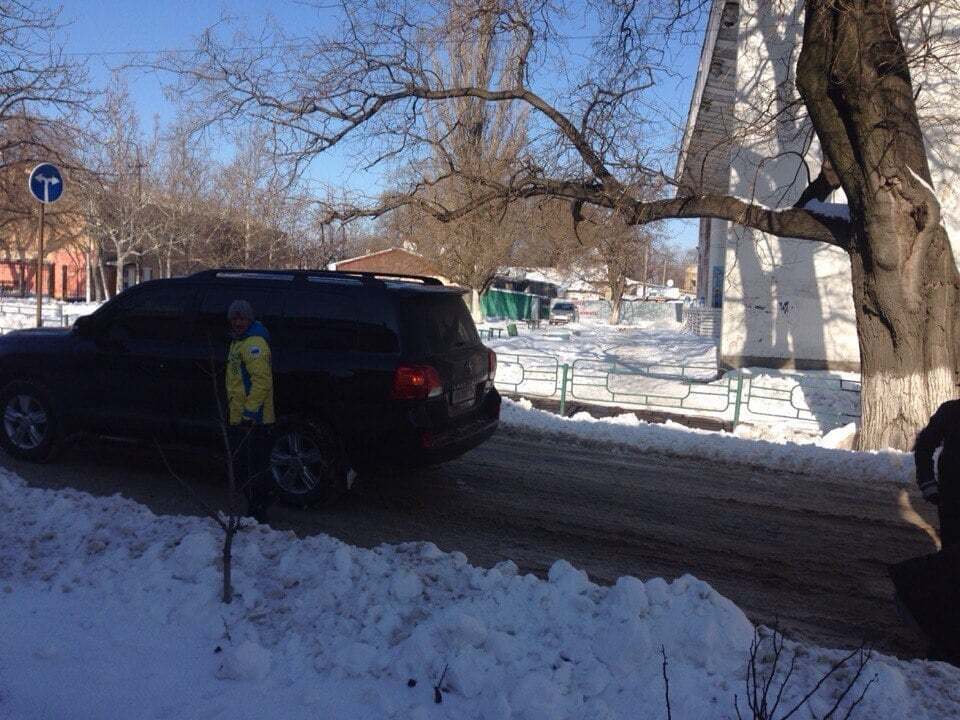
(250, 447)
(949, 510)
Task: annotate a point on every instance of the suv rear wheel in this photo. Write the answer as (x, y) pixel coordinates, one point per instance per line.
(29, 424)
(308, 465)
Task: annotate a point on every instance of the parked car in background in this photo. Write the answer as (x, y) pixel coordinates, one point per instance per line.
(563, 312)
(370, 371)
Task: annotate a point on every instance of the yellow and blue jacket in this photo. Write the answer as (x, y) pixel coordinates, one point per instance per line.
(250, 377)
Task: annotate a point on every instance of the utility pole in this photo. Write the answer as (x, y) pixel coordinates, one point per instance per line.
(43, 211)
(664, 283)
(46, 185)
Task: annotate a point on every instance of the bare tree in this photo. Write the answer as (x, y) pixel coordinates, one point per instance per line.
(116, 202)
(854, 78)
(229, 519)
(40, 88)
(183, 190)
(770, 679)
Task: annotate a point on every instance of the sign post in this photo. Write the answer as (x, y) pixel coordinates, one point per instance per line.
(46, 185)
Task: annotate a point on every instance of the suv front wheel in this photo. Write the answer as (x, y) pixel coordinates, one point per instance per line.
(307, 464)
(29, 425)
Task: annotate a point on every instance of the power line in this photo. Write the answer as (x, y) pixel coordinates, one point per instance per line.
(300, 45)
(184, 51)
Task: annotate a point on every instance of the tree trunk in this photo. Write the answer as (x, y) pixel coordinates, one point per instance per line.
(615, 304)
(227, 596)
(246, 242)
(104, 286)
(907, 354)
(475, 310)
(617, 285)
(854, 78)
(118, 285)
(88, 278)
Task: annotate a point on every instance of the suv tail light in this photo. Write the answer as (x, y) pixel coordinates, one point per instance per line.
(415, 382)
(491, 365)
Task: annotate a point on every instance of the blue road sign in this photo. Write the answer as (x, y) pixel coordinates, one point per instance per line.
(46, 183)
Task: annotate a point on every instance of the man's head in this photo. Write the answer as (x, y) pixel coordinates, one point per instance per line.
(240, 316)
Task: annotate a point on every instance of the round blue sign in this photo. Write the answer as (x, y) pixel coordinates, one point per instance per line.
(46, 183)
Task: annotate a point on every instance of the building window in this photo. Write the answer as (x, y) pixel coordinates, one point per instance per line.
(728, 18)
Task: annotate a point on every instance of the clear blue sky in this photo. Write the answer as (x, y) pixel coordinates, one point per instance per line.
(104, 31)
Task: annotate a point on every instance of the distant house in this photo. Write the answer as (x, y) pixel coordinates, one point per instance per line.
(392, 260)
(542, 282)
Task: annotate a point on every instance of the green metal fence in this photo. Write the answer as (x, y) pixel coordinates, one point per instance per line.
(690, 389)
(530, 375)
(661, 385)
(804, 398)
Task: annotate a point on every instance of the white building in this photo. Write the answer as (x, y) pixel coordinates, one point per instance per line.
(780, 302)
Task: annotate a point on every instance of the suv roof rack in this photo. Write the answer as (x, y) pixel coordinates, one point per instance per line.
(362, 276)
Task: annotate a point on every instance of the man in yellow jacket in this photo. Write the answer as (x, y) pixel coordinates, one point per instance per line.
(250, 397)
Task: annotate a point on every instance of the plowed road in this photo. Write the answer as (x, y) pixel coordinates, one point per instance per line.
(809, 553)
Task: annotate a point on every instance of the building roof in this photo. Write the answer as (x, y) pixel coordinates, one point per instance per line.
(393, 259)
(703, 161)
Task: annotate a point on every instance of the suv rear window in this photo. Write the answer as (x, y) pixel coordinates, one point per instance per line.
(435, 324)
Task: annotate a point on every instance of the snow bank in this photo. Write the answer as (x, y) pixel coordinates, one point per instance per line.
(824, 460)
(108, 611)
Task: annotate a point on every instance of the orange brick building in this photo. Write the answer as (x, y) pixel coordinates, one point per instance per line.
(64, 275)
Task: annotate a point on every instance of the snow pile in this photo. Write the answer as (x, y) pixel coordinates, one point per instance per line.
(107, 611)
(823, 460)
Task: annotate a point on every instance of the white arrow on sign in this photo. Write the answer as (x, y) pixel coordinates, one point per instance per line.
(47, 181)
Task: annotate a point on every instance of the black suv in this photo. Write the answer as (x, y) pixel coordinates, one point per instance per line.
(369, 371)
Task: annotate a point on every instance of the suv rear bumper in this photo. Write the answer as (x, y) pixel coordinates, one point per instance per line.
(428, 446)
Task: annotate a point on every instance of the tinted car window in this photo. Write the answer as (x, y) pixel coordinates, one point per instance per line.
(337, 321)
(153, 314)
(216, 301)
(435, 324)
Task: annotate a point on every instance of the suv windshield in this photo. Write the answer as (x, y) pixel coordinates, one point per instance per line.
(435, 324)
(563, 307)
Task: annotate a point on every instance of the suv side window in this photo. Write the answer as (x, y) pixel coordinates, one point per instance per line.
(336, 322)
(157, 314)
(212, 322)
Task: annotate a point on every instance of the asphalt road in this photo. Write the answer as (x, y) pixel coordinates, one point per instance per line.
(807, 553)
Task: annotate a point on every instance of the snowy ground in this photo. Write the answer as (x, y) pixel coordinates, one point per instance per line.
(650, 341)
(660, 366)
(108, 611)
(17, 313)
